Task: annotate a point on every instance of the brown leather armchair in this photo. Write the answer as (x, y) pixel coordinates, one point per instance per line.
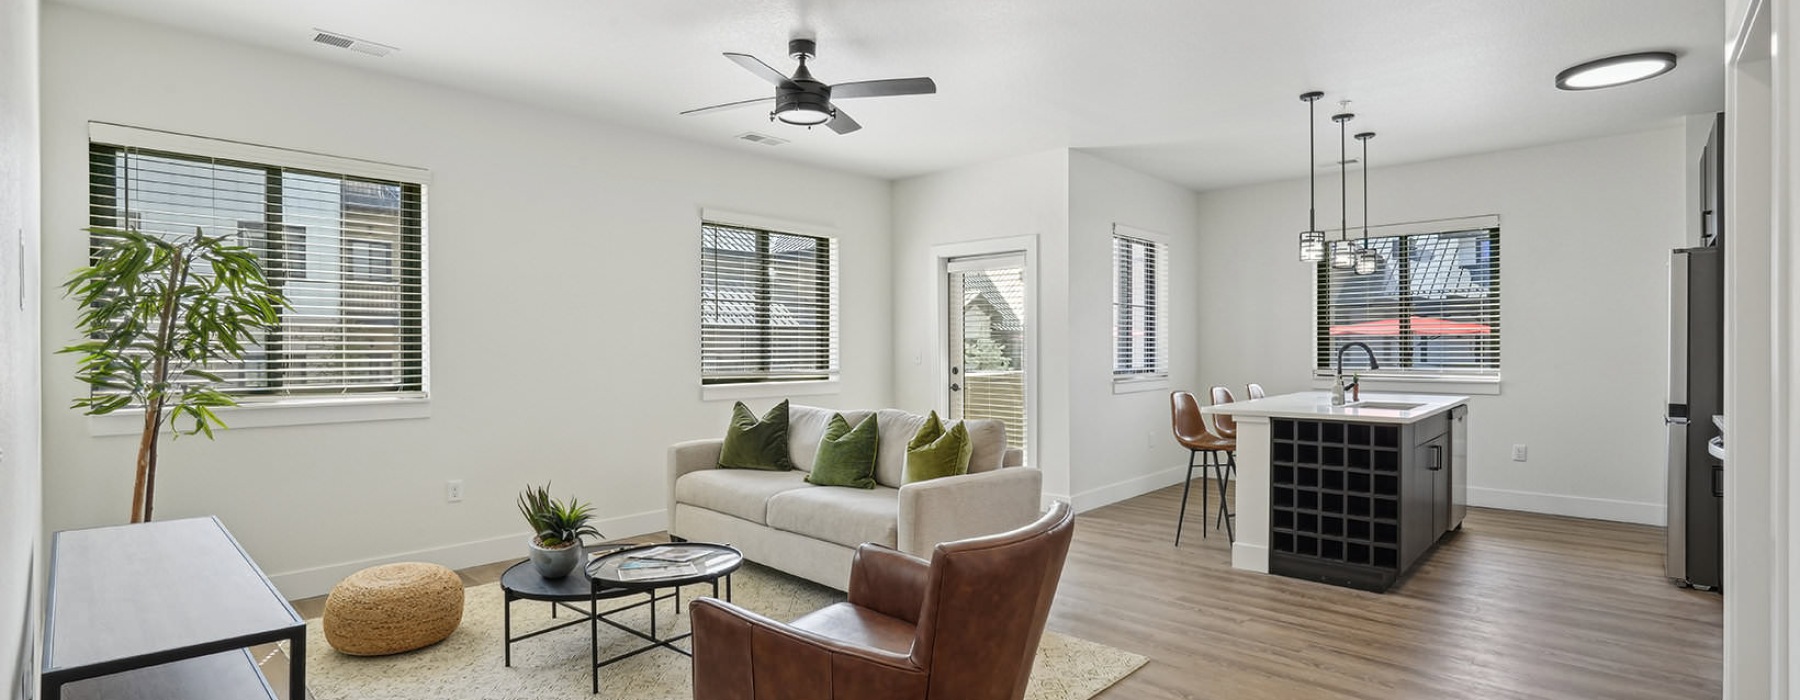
(964, 626)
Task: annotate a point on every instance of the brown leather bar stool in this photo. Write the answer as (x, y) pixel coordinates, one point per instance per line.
(1225, 427)
(1191, 432)
(1254, 391)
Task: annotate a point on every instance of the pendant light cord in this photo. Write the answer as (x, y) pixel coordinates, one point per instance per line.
(1364, 138)
(1312, 165)
(1343, 121)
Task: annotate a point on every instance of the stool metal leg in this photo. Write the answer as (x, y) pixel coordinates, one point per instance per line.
(1225, 514)
(1185, 485)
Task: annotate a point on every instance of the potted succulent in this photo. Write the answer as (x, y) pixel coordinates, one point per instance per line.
(557, 529)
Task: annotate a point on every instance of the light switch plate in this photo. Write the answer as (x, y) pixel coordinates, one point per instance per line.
(1518, 453)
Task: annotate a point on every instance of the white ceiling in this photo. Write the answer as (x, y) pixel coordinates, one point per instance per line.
(1198, 92)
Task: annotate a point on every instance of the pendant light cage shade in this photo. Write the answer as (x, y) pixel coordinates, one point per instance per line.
(1312, 240)
(1312, 246)
(1367, 261)
(1343, 255)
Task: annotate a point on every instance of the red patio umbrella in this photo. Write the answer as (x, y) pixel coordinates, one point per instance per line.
(1420, 325)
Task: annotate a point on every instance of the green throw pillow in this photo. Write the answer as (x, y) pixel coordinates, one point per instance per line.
(846, 455)
(757, 444)
(936, 452)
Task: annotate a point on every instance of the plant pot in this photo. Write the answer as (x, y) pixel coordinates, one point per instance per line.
(554, 562)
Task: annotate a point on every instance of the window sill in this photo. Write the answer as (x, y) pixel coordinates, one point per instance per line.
(764, 390)
(1138, 386)
(280, 414)
(1482, 386)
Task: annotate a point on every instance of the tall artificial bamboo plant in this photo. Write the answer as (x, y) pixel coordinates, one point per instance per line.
(160, 315)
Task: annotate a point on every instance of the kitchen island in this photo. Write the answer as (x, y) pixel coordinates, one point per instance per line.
(1350, 495)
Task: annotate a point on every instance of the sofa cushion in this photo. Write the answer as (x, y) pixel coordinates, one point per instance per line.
(988, 438)
(756, 444)
(739, 492)
(806, 426)
(986, 435)
(846, 455)
(937, 451)
(841, 516)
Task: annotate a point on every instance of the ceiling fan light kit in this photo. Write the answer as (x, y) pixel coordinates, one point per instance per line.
(1614, 71)
(803, 100)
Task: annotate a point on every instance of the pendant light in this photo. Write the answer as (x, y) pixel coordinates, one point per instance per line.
(1343, 252)
(1312, 240)
(1367, 260)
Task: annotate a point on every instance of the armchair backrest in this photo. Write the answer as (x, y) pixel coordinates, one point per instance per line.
(985, 608)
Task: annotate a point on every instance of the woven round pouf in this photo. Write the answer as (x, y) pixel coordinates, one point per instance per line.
(393, 608)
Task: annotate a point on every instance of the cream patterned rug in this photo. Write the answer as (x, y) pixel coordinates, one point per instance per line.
(555, 665)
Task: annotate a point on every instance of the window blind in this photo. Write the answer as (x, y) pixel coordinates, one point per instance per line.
(347, 251)
(1431, 309)
(768, 306)
(1138, 342)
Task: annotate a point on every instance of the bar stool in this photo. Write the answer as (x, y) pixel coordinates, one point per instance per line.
(1225, 427)
(1254, 391)
(1190, 430)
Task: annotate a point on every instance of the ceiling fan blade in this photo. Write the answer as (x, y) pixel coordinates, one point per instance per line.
(728, 105)
(842, 123)
(755, 65)
(884, 88)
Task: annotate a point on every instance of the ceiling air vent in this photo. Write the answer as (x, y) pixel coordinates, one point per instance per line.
(763, 139)
(354, 44)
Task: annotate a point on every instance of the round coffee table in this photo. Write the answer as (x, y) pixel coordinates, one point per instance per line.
(522, 582)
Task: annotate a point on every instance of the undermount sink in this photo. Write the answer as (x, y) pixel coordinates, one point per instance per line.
(1386, 405)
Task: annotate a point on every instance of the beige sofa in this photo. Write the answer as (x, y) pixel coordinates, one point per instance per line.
(780, 521)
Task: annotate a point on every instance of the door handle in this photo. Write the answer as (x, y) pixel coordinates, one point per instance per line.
(956, 387)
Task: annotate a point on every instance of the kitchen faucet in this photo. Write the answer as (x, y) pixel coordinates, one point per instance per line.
(1338, 387)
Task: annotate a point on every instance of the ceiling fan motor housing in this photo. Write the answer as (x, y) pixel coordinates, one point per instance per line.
(803, 98)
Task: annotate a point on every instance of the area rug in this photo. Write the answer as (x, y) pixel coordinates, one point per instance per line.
(555, 665)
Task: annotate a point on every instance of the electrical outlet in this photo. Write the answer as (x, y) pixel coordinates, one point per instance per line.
(1518, 453)
(453, 491)
(1149, 439)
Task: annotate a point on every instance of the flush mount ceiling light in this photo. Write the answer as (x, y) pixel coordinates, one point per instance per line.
(1616, 70)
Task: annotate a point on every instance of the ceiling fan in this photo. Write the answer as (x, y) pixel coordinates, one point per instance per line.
(805, 101)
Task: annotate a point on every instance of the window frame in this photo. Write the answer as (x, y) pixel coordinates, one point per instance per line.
(827, 379)
(275, 409)
(1156, 375)
(1479, 381)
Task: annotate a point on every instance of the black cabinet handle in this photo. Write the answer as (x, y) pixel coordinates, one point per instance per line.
(1437, 458)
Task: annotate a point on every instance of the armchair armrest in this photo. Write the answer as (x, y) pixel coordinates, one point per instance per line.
(690, 456)
(971, 505)
(889, 582)
(740, 655)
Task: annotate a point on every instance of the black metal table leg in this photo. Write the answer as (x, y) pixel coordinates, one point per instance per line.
(297, 666)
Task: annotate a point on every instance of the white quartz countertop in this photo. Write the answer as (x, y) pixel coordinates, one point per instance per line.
(1373, 408)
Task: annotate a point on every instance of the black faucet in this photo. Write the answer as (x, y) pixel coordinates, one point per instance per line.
(1338, 387)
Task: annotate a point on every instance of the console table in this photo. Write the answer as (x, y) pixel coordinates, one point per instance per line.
(162, 609)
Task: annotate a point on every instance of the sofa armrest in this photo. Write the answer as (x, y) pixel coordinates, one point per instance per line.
(953, 508)
(1013, 457)
(740, 655)
(889, 582)
(690, 456)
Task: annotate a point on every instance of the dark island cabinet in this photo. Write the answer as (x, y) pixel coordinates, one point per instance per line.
(1357, 504)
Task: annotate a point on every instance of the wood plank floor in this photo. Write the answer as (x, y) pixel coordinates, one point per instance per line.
(1517, 605)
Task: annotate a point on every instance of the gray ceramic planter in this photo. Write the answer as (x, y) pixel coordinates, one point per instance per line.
(554, 563)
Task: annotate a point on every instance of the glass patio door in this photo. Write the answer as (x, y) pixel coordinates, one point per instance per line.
(986, 348)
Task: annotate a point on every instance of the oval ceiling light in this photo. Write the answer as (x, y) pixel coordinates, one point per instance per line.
(1616, 70)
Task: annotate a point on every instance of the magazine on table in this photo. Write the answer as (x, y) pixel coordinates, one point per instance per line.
(671, 554)
(640, 569)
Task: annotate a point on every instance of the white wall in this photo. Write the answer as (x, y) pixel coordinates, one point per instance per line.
(1021, 196)
(1586, 230)
(20, 464)
(1121, 445)
(564, 303)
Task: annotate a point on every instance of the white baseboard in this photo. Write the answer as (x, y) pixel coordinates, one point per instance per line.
(316, 581)
(1572, 506)
(1129, 488)
(1253, 557)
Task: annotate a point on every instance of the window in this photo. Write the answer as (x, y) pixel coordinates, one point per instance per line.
(346, 248)
(1138, 293)
(1430, 311)
(768, 306)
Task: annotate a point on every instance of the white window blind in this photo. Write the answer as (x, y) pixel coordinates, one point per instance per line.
(768, 306)
(348, 251)
(1138, 308)
(1430, 311)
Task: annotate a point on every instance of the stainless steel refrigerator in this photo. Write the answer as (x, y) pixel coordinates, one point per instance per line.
(1696, 394)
